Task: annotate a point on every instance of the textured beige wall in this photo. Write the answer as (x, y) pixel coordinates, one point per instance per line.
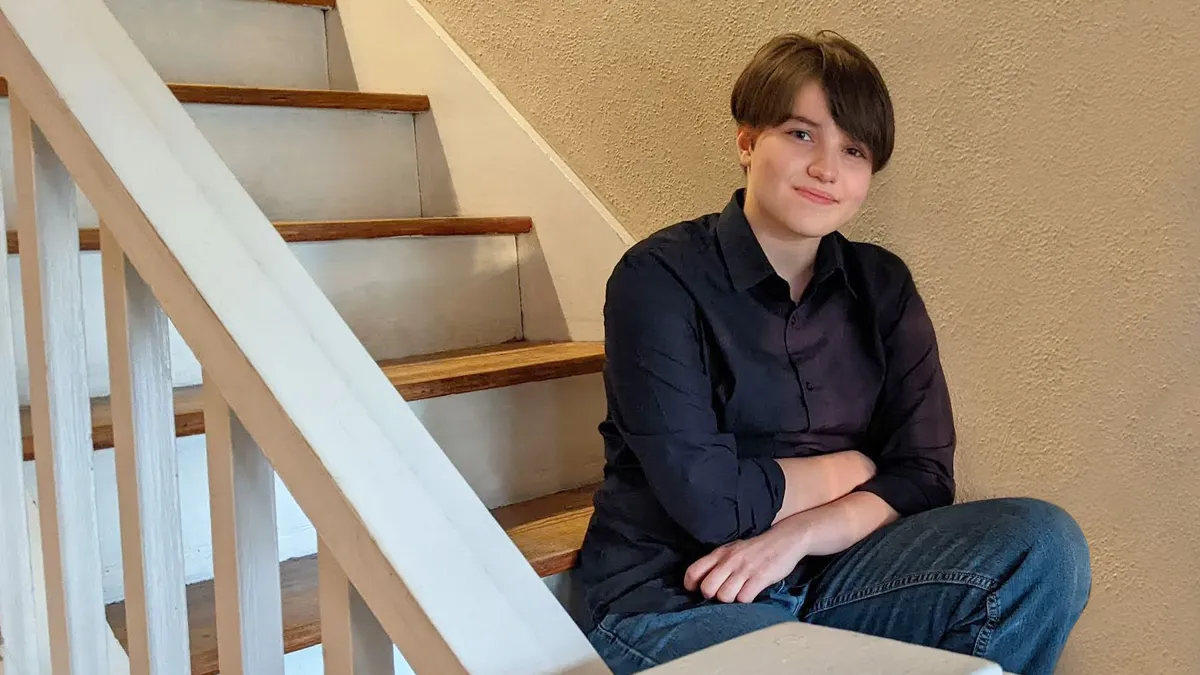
(1045, 190)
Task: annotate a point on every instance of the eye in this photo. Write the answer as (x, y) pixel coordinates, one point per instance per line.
(857, 152)
(801, 134)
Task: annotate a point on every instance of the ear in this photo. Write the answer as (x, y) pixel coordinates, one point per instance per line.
(747, 136)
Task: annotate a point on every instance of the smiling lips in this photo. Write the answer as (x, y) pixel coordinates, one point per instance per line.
(817, 196)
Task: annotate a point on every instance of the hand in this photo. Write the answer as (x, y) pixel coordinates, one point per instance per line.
(740, 570)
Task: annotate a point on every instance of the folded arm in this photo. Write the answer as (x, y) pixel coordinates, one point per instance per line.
(912, 444)
(657, 374)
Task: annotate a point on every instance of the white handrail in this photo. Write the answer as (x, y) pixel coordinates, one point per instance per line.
(445, 582)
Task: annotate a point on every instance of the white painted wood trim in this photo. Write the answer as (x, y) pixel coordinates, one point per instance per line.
(478, 155)
(241, 486)
(143, 417)
(807, 648)
(352, 641)
(61, 412)
(407, 529)
(118, 661)
(18, 619)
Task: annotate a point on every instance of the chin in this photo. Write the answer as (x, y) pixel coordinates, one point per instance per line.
(811, 229)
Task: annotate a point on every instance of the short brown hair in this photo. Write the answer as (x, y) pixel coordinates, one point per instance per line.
(854, 89)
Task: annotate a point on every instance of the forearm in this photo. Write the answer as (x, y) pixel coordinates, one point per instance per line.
(838, 525)
(811, 482)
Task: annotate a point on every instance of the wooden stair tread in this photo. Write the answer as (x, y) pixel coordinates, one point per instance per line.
(293, 98)
(323, 4)
(548, 530)
(465, 370)
(336, 230)
(417, 378)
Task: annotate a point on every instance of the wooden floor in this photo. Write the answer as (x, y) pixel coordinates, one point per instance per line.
(548, 530)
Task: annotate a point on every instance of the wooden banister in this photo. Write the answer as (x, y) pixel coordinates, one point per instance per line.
(403, 525)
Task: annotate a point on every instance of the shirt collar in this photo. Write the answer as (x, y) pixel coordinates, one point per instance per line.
(745, 260)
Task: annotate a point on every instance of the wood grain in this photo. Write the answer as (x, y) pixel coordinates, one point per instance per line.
(300, 98)
(147, 467)
(291, 98)
(53, 301)
(337, 230)
(241, 487)
(422, 377)
(323, 4)
(461, 371)
(548, 530)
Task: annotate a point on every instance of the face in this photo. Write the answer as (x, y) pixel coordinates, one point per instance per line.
(805, 177)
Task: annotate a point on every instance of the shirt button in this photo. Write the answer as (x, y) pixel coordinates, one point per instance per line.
(809, 386)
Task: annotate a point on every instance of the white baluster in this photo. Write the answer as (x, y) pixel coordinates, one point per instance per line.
(147, 470)
(17, 603)
(61, 414)
(352, 641)
(241, 485)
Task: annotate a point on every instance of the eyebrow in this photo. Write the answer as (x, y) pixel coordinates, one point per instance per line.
(803, 120)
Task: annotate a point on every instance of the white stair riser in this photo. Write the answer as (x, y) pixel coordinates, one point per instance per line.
(511, 444)
(312, 164)
(402, 296)
(299, 163)
(264, 44)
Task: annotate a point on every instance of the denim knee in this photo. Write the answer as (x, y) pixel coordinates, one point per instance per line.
(1052, 542)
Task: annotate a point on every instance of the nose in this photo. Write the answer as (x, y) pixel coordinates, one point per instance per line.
(824, 167)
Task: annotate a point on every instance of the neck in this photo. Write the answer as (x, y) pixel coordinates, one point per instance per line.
(793, 256)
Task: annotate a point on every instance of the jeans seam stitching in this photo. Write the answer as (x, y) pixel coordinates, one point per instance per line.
(626, 646)
(952, 576)
(984, 638)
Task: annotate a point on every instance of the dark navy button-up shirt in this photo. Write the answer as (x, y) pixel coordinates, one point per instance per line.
(713, 372)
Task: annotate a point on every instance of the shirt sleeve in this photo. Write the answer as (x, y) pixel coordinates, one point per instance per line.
(913, 426)
(661, 401)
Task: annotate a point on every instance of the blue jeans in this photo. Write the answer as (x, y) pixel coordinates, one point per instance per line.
(1001, 579)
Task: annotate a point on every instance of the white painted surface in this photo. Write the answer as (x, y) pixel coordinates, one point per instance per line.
(801, 647)
(117, 661)
(400, 296)
(148, 481)
(341, 69)
(352, 641)
(301, 163)
(479, 156)
(409, 531)
(245, 42)
(310, 661)
(510, 445)
(521, 442)
(296, 536)
(418, 295)
(61, 416)
(313, 164)
(245, 554)
(17, 605)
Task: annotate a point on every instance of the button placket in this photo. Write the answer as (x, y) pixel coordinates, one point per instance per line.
(790, 328)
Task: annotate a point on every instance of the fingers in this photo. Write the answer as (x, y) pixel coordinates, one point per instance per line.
(715, 579)
(700, 569)
(751, 589)
(732, 586)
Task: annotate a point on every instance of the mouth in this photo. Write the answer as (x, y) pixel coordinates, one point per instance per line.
(817, 196)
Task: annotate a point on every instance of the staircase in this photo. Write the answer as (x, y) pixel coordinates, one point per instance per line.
(334, 169)
(548, 530)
